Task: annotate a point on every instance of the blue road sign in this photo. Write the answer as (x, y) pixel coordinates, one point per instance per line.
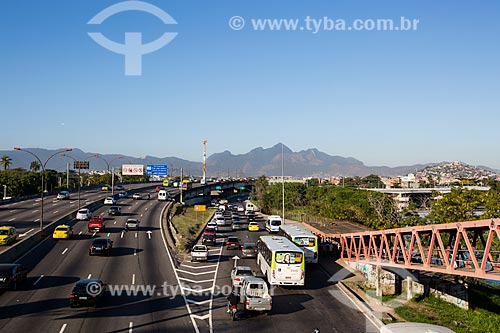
(156, 169)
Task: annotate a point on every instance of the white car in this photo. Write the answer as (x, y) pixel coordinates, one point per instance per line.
(239, 273)
(63, 195)
(109, 201)
(213, 225)
(83, 214)
(220, 220)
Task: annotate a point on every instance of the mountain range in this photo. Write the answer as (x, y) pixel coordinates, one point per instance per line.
(258, 161)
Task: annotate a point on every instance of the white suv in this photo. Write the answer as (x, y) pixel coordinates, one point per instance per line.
(63, 195)
(83, 214)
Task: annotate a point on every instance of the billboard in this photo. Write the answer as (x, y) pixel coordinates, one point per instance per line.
(156, 169)
(132, 169)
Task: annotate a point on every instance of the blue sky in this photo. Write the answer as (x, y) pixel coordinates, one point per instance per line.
(385, 98)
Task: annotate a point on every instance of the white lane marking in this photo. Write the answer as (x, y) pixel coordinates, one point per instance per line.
(56, 212)
(193, 281)
(37, 220)
(135, 252)
(109, 234)
(25, 233)
(95, 232)
(194, 273)
(38, 280)
(198, 267)
(12, 211)
(65, 250)
(63, 328)
(114, 222)
(88, 277)
(130, 326)
(145, 209)
(80, 232)
(210, 306)
(136, 235)
(121, 236)
(198, 303)
(133, 278)
(149, 232)
(142, 215)
(195, 326)
(12, 219)
(201, 317)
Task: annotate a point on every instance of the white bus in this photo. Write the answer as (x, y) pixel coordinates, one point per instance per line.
(273, 223)
(304, 239)
(281, 261)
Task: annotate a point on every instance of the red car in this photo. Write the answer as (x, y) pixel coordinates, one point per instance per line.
(96, 223)
(233, 243)
(209, 231)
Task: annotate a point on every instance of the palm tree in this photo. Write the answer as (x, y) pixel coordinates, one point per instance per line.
(35, 166)
(6, 162)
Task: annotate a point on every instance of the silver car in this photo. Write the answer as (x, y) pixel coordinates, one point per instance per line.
(239, 273)
(132, 224)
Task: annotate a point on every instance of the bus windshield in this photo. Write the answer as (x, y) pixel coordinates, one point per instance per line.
(288, 257)
(304, 241)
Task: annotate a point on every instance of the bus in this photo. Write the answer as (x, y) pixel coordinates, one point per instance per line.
(281, 261)
(304, 239)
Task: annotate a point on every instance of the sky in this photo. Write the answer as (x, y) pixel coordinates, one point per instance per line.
(390, 98)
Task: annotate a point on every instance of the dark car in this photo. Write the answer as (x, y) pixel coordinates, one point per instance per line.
(237, 225)
(114, 210)
(101, 245)
(249, 250)
(208, 239)
(87, 292)
(11, 275)
(233, 243)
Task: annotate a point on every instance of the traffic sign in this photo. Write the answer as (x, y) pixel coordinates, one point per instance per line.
(156, 169)
(200, 208)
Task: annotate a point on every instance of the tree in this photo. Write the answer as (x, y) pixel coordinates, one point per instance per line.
(35, 166)
(6, 162)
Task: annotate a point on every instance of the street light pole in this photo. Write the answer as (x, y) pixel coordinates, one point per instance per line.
(108, 164)
(74, 159)
(43, 175)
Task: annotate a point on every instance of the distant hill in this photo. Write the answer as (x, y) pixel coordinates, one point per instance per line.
(257, 162)
(456, 170)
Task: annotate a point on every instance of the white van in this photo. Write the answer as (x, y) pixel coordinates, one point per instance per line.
(249, 206)
(273, 223)
(163, 195)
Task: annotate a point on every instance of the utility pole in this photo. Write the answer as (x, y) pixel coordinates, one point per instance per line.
(67, 175)
(283, 180)
(180, 186)
(204, 179)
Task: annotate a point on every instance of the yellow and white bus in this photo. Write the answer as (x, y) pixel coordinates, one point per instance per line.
(304, 239)
(281, 261)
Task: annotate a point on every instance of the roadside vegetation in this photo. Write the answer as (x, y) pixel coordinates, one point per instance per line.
(189, 225)
(21, 182)
(482, 317)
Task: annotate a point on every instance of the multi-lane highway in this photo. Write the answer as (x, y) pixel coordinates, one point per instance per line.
(174, 303)
(25, 215)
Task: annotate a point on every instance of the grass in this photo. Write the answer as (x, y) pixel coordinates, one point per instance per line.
(189, 224)
(482, 317)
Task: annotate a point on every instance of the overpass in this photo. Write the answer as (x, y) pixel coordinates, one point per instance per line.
(468, 248)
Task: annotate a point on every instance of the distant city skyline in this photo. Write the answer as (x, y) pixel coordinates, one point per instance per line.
(388, 98)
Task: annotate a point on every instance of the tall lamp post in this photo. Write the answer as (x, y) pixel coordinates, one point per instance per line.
(74, 159)
(108, 163)
(43, 175)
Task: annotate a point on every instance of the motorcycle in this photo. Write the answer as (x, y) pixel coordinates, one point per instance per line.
(233, 311)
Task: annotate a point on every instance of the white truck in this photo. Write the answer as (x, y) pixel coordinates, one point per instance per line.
(199, 253)
(254, 294)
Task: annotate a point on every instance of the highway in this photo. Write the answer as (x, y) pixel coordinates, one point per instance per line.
(141, 259)
(25, 215)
